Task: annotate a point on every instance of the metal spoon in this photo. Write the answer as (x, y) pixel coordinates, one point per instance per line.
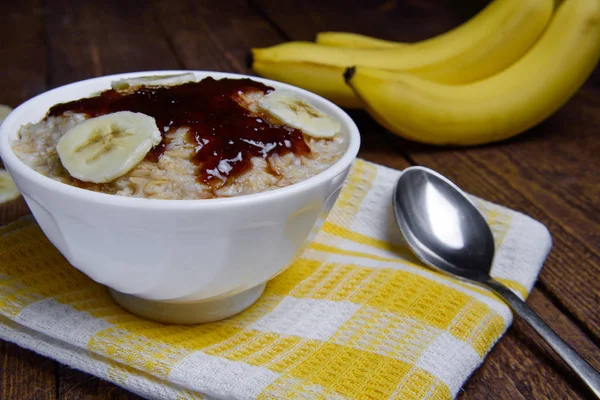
(447, 232)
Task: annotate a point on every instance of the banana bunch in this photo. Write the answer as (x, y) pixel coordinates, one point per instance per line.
(498, 74)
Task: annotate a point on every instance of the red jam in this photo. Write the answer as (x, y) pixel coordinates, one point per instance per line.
(225, 134)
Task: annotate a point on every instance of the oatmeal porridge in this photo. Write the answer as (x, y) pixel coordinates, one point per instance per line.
(214, 138)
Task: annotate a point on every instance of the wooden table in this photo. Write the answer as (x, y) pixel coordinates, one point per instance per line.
(551, 173)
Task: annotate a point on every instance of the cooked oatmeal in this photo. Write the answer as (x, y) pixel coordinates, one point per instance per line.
(196, 160)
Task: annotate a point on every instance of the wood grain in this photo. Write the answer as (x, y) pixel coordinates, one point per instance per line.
(25, 375)
(23, 66)
(405, 21)
(214, 35)
(12, 211)
(77, 385)
(521, 366)
(88, 39)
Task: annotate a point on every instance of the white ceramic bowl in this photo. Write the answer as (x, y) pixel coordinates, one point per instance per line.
(180, 261)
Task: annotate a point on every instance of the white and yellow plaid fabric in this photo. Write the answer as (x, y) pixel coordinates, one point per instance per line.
(355, 317)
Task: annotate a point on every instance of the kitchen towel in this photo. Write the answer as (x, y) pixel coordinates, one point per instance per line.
(357, 316)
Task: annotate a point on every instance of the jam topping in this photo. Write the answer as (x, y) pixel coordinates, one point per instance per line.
(225, 135)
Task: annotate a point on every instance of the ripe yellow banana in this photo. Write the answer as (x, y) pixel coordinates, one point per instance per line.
(357, 41)
(495, 108)
(488, 43)
(461, 33)
(324, 80)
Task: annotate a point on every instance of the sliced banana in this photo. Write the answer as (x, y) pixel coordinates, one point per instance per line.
(8, 189)
(157, 80)
(103, 148)
(4, 111)
(295, 111)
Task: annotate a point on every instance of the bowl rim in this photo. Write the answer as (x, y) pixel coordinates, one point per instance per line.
(9, 129)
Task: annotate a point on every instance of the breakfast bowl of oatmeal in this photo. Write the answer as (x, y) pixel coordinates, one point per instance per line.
(183, 192)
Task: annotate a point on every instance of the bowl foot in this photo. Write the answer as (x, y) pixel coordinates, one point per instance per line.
(196, 312)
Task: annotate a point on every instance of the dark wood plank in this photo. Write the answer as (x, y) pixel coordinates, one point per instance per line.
(13, 210)
(77, 385)
(96, 38)
(406, 21)
(214, 35)
(25, 375)
(521, 363)
(23, 66)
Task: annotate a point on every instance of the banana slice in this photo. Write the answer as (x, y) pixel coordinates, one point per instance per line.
(103, 148)
(4, 111)
(8, 189)
(295, 111)
(157, 80)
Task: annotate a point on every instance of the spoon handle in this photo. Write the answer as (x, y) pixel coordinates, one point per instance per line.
(586, 372)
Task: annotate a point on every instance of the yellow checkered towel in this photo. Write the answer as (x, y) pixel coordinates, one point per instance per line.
(355, 317)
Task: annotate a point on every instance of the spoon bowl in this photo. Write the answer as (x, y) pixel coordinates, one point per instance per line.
(446, 231)
(442, 225)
